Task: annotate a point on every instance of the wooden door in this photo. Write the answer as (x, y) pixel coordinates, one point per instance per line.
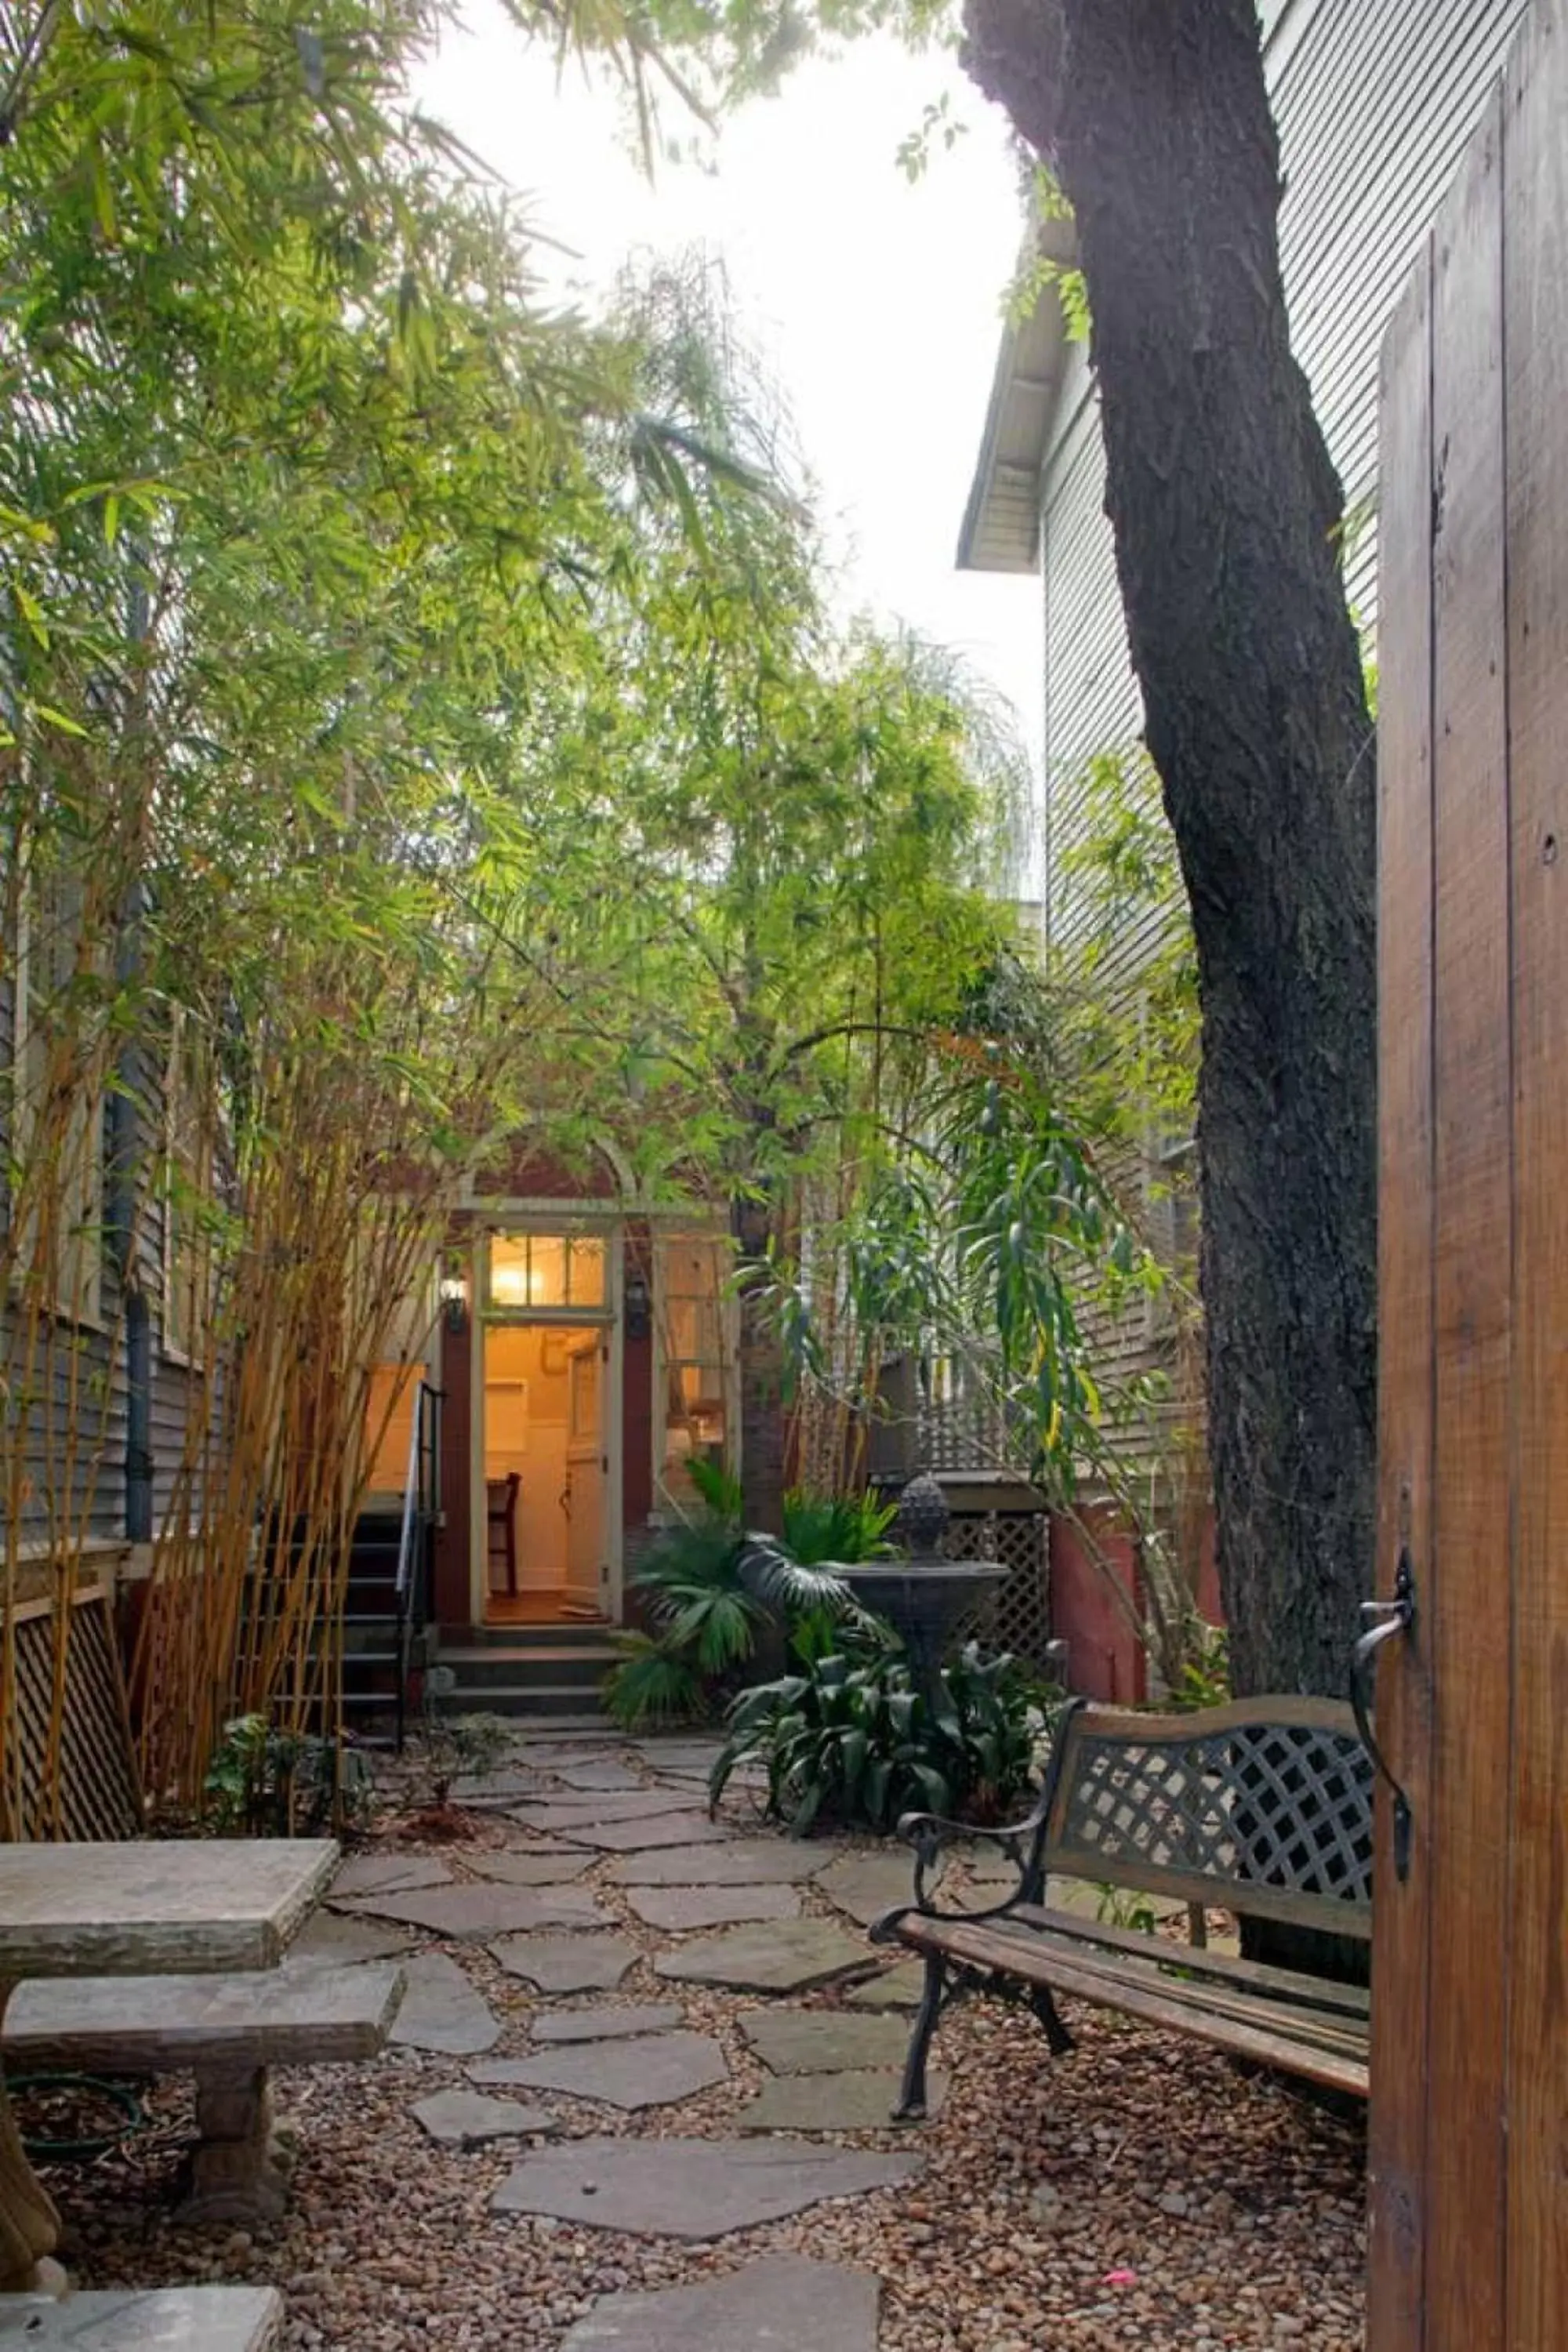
(587, 1469)
(1470, 2116)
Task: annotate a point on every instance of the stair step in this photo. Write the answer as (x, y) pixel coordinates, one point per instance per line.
(520, 1669)
(569, 1633)
(553, 1700)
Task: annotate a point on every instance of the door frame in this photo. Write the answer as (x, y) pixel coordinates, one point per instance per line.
(539, 1216)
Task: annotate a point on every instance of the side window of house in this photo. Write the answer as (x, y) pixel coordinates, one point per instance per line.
(56, 1110)
(695, 1335)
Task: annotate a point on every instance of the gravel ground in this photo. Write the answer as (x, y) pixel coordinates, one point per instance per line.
(1142, 2195)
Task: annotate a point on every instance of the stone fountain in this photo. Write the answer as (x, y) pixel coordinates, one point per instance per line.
(924, 1595)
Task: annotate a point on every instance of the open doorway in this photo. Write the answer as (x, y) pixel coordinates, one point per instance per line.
(545, 1443)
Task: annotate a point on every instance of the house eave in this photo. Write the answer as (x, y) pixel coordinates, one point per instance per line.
(1001, 529)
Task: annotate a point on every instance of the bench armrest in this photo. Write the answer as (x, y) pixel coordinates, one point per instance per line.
(931, 1834)
(1022, 1842)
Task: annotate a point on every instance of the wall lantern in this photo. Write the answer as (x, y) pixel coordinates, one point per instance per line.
(639, 1304)
(455, 1299)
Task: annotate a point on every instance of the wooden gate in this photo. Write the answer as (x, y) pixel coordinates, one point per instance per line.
(1469, 2126)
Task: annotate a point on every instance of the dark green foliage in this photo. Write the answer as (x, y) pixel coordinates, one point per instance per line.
(268, 1782)
(849, 1741)
(821, 1529)
(712, 1590)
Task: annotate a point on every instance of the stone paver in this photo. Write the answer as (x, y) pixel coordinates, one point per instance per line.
(863, 2101)
(566, 1963)
(784, 2305)
(824, 2041)
(502, 1787)
(389, 1873)
(642, 1836)
(681, 1756)
(899, 1987)
(867, 1885)
(329, 1941)
(595, 1774)
(606, 2024)
(742, 1862)
(569, 1747)
(484, 1911)
(681, 1908)
(588, 1810)
(791, 1957)
(541, 1868)
(468, 2118)
(692, 2188)
(441, 2010)
(652, 2070)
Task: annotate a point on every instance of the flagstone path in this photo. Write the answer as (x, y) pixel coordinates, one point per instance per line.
(649, 2120)
(583, 1842)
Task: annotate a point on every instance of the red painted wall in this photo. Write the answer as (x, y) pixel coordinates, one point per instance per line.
(1105, 1654)
(1106, 1658)
(450, 1601)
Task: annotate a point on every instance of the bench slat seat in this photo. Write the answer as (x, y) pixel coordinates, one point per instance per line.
(1025, 1954)
(1262, 1807)
(1198, 1959)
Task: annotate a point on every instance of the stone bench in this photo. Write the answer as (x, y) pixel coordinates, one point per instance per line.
(176, 2319)
(230, 2032)
(1263, 1807)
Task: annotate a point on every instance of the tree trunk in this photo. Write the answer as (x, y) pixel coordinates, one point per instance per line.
(1223, 503)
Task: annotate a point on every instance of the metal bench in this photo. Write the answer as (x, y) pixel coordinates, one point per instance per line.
(176, 2319)
(1263, 1807)
(228, 2030)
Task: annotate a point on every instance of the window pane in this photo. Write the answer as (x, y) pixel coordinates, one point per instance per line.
(509, 1270)
(585, 1272)
(693, 1345)
(546, 1271)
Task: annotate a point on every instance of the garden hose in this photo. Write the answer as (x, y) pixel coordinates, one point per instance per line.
(78, 2151)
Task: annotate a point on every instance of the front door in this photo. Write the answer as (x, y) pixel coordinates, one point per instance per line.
(587, 1472)
(543, 1452)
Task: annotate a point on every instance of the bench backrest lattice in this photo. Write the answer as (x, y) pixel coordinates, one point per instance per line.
(1264, 1809)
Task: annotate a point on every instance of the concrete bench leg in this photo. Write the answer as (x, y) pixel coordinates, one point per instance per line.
(238, 2172)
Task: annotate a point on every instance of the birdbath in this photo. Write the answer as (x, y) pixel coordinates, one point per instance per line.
(925, 1596)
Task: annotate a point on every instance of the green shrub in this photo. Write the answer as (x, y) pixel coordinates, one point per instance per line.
(712, 1590)
(268, 1783)
(851, 1742)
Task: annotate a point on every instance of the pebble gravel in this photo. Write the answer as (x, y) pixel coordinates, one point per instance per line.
(1142, 2195)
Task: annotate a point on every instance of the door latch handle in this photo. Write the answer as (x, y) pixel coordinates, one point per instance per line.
(1383, 1620)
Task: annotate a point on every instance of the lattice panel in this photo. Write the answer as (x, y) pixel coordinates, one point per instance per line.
(99, 1797)
(1017, 1616)
(1281, 1805)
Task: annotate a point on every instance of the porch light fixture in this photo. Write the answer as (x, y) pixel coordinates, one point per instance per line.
(639, 1304)
(455, 1301)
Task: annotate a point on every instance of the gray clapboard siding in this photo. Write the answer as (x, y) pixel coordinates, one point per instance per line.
(1374, 104)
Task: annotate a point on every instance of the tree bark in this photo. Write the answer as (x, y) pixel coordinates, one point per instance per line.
(1224, 503)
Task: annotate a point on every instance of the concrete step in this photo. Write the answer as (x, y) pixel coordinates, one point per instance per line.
(568, 1635)
(565, 1707)
(521, 1665)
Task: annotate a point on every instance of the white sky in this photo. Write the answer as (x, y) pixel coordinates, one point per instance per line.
(878, 303)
